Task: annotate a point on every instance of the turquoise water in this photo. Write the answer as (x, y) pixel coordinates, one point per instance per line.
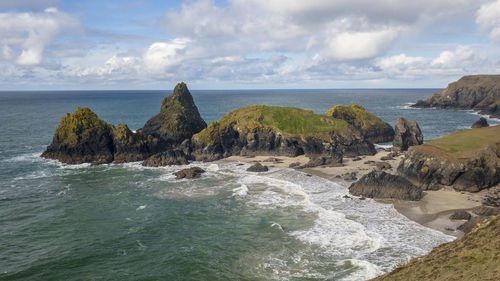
(127, 222)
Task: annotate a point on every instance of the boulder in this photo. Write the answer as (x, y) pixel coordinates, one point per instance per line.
(371, 127)
(332, 160)
(378, 184)
(189, 173)
(82, 137)
(257, 167)
(492, 198)
(350, 176)
(482, 122)
(383, 166)
(460, 215)
(407, 134)
(167, 158)
(179, 118)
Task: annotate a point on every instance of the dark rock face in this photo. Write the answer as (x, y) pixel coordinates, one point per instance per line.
(371, 127)
(407, 134)
(257, 167)
(492, 199)
(178, 119)
(482, 122)
(460, 215)
(378, 184)
(428, 166)
(227, 140)
(470, 224)
(167, 158)
(131, 147)
(82, 138)
(486, 211)
(189, 173)
(478, 92)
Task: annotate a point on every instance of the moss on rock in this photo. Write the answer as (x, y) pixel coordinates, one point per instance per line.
(370, 126)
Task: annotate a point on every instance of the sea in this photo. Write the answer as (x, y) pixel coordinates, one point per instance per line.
(129, 222)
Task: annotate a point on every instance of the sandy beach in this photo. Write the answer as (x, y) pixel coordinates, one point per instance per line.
(432, 211)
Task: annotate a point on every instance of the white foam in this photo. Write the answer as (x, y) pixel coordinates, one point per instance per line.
(242, 190)
(487, 117)
(142, 207)
(365, 270)
(383, 146)
(27, 157)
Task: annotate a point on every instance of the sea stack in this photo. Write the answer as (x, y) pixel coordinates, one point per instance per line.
(82, 137)
(407, 134)
(179, 118)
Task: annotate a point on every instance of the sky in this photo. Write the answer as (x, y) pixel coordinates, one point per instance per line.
(245, 44)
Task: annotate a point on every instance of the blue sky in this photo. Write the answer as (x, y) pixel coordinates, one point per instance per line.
(245, 44)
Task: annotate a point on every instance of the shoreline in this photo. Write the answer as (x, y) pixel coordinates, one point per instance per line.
(432, 211)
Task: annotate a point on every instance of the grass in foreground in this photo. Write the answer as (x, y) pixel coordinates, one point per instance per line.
(462, 143)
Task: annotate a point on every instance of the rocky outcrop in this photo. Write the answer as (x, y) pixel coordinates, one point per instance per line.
(167, 158)
(378, 184)
(82, 137)
(407, 134)
(130, 146)
(460, 215)
(467, 160)
(189, 173)
(273, 130)
(257, 167)
(474, 256)
(179, 118)
(482, 122)
(332, 160)
(371, 127)
(478, 92)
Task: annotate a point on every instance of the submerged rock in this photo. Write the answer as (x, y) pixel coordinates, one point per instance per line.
(179, 118)
(378, 184)
(482, 122)
(371, 127)
(189, 173)
(257, 167)
(407, 134)
(82, 137)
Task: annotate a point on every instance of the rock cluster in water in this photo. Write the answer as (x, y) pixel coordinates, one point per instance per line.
(478, 92)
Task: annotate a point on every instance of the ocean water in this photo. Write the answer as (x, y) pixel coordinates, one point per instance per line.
(128, 222)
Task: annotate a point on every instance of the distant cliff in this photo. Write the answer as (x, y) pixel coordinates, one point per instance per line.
(475, 256)
(478, 92)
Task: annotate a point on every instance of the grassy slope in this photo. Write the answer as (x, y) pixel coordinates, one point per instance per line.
(476, 256)
(288, 120)
(466, 142)
(356, 115)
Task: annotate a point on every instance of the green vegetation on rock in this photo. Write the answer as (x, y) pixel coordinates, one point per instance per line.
(287, 120)
(80, 126)
(370, 125)
(475, 256)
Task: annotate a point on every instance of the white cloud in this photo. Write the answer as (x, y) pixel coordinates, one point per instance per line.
(24, 36)
(359, 45)
(488, 18)
(160, 56)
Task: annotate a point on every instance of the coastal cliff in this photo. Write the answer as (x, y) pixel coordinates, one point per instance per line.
(477, 92)
(475, 256)
(467, 160)
(273, 130)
